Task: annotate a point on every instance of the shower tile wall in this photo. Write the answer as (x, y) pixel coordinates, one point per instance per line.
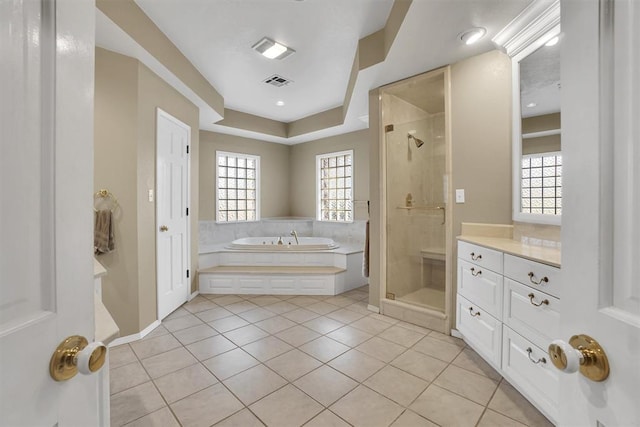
(418, 171)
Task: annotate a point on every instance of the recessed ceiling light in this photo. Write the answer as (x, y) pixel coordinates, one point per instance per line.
(272, 49)
(552, 42)
(279, 103)
(472, 35)
(531, 105)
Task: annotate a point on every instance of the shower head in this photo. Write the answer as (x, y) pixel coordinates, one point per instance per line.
(418, 142)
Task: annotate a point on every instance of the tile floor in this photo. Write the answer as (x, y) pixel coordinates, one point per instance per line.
(246, 360)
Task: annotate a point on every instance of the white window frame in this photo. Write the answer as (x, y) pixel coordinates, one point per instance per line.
(256, 159)
(319, 158)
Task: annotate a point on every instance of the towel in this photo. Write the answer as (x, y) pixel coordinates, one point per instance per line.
(365, 261)
(103, 241)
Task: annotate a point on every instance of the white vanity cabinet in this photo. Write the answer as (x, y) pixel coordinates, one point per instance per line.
(508, 311)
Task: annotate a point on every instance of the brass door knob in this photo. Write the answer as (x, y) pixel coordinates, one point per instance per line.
(74, 355)
(581, 353)
(164, 228)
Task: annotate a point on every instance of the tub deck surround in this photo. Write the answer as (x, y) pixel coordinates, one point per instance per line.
(283, 243)
(264, 271)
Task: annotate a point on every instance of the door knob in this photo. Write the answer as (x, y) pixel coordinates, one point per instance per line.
(583, 353)
(164, 228)
(74, 355)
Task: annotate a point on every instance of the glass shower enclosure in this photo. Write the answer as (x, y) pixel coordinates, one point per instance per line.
(416, 187)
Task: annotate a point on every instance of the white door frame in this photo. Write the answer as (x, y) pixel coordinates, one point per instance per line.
(161, 113)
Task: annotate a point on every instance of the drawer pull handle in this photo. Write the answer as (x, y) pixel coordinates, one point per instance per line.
(545, 279)
(472, 314)
(475, 257)
(542, 359)
(473, 272)
(544, 301)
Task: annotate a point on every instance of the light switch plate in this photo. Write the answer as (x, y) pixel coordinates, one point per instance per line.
(460, 195)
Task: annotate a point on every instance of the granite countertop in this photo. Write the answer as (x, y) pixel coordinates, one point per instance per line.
(545, 255)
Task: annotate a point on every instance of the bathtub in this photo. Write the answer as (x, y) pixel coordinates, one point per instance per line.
(307, 244)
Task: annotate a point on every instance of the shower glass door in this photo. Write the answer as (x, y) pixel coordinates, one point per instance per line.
(416, 205)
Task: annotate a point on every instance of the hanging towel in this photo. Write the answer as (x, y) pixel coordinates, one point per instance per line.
(103, 241)
(365, 261)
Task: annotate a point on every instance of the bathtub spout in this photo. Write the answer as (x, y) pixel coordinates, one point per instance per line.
(294, 234)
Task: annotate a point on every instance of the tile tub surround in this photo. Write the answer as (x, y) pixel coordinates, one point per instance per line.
(263, 368)
(211, 233)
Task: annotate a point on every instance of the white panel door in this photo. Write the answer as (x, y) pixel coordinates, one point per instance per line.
(172, 220)
(601, 213)
(46, 215)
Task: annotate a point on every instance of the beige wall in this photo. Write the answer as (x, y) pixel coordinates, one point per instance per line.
(481, 140)
(115, 165)
(275, 197)
(303, 171)
(543, 144)
(126, 97)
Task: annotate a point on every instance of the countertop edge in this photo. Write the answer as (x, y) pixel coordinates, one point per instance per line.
(541, 254)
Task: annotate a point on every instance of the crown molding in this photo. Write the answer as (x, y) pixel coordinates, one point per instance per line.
(537, 19)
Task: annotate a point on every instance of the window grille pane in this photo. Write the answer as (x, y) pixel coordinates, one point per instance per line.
(334, 187)
(236, 173)
(541, 190)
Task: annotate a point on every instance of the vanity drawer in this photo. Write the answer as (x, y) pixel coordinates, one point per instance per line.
(481, 256)
(528, 368)
(481, 330)
(531, 273)
(482, 286)
(531, 313)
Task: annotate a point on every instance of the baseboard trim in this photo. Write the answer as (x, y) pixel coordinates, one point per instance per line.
(373, 308)
(135, 337)
(194, 294)
(456, 333)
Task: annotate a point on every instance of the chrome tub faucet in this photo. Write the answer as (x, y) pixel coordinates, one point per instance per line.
(294, 234)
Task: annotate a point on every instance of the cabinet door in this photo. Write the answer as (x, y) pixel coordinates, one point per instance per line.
(529, 369)
(531, 313)
(481, 330)
(481, 286)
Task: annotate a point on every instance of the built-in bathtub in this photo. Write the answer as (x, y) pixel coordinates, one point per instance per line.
(280, 243)
(316, 266)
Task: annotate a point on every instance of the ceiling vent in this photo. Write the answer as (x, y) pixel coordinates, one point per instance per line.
(277, 81)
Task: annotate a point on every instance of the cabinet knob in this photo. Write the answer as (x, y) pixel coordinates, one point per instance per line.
(581, 353)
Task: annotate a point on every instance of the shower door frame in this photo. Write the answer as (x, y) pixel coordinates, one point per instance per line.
(449, 314)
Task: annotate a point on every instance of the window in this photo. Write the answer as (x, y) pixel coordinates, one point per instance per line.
(542, 183)
(334, 177)
(238, 187)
